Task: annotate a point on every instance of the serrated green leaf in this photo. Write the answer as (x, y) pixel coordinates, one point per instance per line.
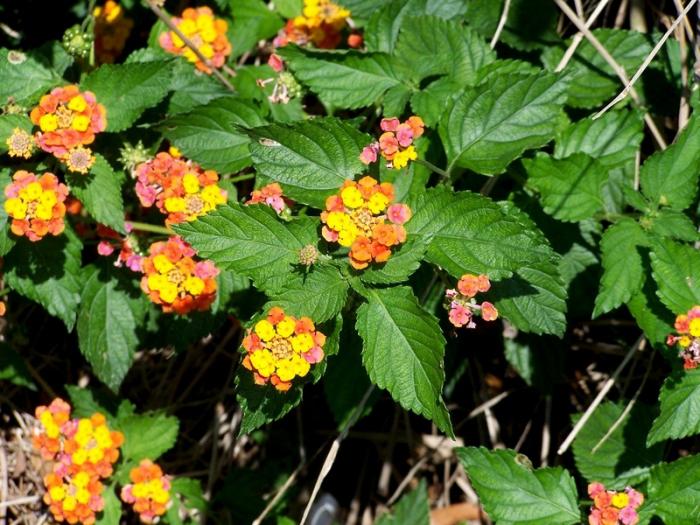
(674, 492)
(147, 436)
(403, 352)
(250, 241)
(489, 126)
(48, 272)
(100, 191)
(575, 261)
(310, 159)
(623, 270)
(189, 90)
(191, 491)
(401, 265)
(430, 102)
(8, 123)
(13, 368)
(673, 224)
(652, 316)
(623, 459)
(111, 309)
(127, 90)
(24, 78)
(680, 407)
(289, 8)
(112, 511)
(512, 492)
(570, 188)
(670, 177)
(676, 270)
(252, 21)
(412, 509)
(592, 80)
(348, 80)
(212, 136)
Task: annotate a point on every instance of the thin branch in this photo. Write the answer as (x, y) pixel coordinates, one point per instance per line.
(628, 89)
(166, 19)
(501, 24)
(578, 37)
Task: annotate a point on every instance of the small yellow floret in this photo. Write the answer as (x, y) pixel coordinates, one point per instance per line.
(285, 327)
(265, 330)
(48, 123)
(352, 198)
(77, 103)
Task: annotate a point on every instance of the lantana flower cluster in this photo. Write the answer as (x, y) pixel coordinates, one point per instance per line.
(271, 195)
(462, 304)
(81, 452)
(179, 188)
(396, 143)
(68, 120)
(20, 144)
(207, 33)
(614, 508)
(148, 492)
(362, 217)
(175, 281)
(112, 28)
(321, 23)
(282, 347)
(687, 337)
(36, 205)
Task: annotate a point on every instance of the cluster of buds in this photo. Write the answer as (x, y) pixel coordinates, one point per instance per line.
(81, 452)
(77, 42)
(179, 188)
(281, 347)
(272, 196)
(36, 205)
(149, 491)
(688, 337)
(20, 144)
(362, 218)
(112, 30)
(131, 156)
(461, 303)
(206, 33)
(396, 143)
(614, 508)
(69, 120)
(174, 280)
(321, 24)
(129, 254)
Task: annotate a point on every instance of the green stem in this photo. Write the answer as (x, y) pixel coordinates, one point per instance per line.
(432, 167)
(153, 228)
(245, 176)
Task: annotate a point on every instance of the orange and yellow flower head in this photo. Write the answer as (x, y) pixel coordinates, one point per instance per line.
(687, 337)
(67, 119)
(174, 280)
(36, 205)
(179, 188)
(320, 23)
(112, 28)
(362, 218)
(206, 32)
(271, 195)
(281, 347)
(614, 507)
(148, 492)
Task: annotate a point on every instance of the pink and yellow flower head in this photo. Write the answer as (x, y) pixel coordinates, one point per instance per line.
(53, 419)
(396, 143)
(272, 196)
(112, 28)
(687, 337)
(20, 144)
(174, 280)
(462, 305)
(178, 187)
(281, 347)
(320, 23)
(148, 492)
(36, 205)
(93, 447)
(205, 31)
(362, 217)
(67, 118)
(614, 508)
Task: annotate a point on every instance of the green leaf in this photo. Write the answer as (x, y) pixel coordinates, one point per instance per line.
(623, 269)
(252, 21)
(570, 188)
(592, 80)
(412, 509)
(100, 191)
(85, 404)
(652, 317)
(348, 80)
(430, 102)
(190, 490)
(13, 368)
(670, 177)
(401, 265)
(8, 123)
(212, 136)
(250, 241)
(512, 492)
(24, 78)
(127, 90)
(147, 436)
(674, 490)
(623, 459)
(434, 46)
(670, 223)
(680, 407)
(189, 90)
(310, 159)
(289, 8)
(489, 126)
(111, 309)
(319, 294)
(676, 270)
(48, 272)
(403, 352)
(112, 511)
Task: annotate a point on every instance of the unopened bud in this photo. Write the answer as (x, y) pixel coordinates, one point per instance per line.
(308, 255)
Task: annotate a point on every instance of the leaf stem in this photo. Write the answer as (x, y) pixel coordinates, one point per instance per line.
(432, 167)
(153, 228)
(245, 176)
